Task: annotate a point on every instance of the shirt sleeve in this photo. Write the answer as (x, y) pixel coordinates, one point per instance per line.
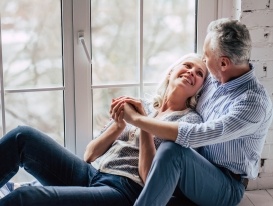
(244, 117)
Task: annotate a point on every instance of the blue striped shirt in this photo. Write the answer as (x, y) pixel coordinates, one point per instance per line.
(236, 118)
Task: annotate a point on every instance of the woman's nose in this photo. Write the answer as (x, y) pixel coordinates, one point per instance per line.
(190, 72)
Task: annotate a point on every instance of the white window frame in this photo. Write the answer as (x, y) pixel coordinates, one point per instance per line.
(211, 10)
(77, 75)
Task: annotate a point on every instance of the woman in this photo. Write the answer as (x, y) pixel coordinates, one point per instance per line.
(118, 155)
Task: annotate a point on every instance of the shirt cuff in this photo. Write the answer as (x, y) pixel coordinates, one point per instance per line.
(183, 133)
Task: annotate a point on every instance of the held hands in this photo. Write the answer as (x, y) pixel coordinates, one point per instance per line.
(127, 108)
(118, 115)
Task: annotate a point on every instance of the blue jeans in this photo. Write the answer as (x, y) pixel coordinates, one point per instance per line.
(66, 179)
(197, 179)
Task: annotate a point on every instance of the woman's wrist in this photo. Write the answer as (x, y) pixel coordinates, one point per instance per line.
(119, 125)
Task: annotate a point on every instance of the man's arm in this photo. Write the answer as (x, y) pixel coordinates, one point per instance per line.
(162, 129)
(244, 118)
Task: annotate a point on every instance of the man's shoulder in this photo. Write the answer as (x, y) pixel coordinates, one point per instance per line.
(253, 90)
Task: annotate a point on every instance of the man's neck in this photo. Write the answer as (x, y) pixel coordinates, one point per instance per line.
(234, 72)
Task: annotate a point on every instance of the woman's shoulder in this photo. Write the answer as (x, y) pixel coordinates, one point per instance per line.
(188, 115)
(148, 105)
(192, 116)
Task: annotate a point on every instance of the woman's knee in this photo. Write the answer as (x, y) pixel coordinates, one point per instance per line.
(20, 130)
(24, 135)
(25, 129)
(18, 196)
(27, 132)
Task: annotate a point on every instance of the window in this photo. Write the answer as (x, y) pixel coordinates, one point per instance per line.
(132, 47)
(47, 80)
(131, 44)
(32, 76)
(31, 70)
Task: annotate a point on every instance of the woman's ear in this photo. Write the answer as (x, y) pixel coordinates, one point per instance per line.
(169, 74)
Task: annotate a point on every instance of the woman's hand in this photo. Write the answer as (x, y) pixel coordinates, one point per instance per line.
(116, 103)
(127, 107)
(118, 114)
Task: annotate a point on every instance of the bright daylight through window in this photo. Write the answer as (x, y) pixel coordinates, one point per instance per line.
(126, 50)
(131, 42)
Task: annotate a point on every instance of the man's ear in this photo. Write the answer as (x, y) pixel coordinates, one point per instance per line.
(225, 63)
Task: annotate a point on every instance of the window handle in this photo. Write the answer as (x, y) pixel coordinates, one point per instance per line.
(81, 40)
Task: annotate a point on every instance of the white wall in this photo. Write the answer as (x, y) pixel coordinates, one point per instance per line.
(258, 17)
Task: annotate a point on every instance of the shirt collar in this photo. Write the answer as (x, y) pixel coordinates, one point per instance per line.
(235, 83)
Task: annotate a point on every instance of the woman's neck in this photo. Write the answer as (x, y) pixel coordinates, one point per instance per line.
(172, 104)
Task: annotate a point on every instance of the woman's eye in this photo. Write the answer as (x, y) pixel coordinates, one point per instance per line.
(187, 65)
(200, 74)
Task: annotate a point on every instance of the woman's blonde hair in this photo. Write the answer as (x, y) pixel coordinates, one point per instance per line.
(162, 87)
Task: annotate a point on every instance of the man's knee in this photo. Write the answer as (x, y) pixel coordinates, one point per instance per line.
(168, 150)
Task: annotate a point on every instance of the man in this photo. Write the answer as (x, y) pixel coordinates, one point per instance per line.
(237, 113)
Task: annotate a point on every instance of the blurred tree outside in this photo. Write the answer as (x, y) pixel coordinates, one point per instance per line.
(168, 34)
(32, 59)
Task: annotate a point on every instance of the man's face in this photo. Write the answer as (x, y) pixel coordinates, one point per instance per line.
(211, 58)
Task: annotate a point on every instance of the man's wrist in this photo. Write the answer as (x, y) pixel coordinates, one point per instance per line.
(137, 119)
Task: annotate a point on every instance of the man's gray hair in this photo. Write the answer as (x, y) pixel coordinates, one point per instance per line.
(230, 38)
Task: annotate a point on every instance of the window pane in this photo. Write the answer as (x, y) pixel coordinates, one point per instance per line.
(169, 33)
(102, 99)
(42, 110)
(31, 41)
(32, 59)
(114, 37)
(149, 92)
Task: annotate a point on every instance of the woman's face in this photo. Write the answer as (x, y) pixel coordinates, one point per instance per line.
(189, 76)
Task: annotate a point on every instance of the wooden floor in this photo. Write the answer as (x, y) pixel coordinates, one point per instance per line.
(258, 198)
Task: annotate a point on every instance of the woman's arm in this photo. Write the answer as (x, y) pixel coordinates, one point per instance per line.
(147, 148)
(101, 144)
(146, 154)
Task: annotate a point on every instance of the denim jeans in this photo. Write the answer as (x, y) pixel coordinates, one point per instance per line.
(197, 179)
(66, 179)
